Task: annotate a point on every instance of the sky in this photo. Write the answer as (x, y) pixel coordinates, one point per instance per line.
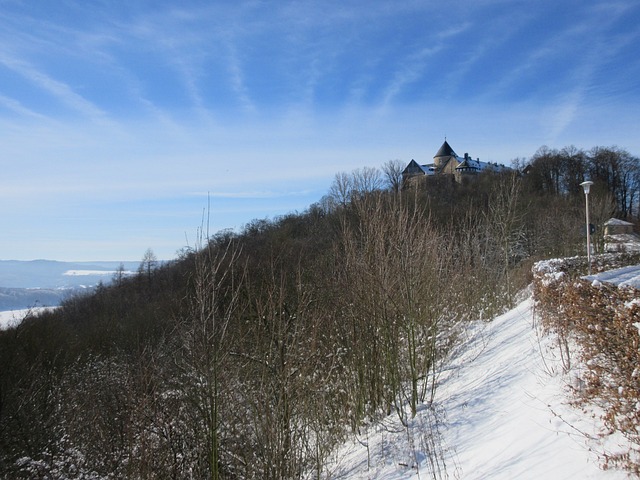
(126, 126)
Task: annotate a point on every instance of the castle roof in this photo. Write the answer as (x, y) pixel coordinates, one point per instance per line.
(414, 167)
(445, 151)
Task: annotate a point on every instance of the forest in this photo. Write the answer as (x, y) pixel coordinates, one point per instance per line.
(254, 353)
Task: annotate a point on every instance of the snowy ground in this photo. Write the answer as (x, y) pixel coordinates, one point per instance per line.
(14, 317)
(624, 277)
(625, 242)
(501, 412)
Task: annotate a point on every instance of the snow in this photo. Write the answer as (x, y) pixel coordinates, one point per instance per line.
(622, 242)
(617, 222)
(501, 411)
(517, 422)
(11, 318)
(110, 273)
(622, 277)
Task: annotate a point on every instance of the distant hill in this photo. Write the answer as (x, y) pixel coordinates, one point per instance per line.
(19, 298)
(25, 284)
(53, 274)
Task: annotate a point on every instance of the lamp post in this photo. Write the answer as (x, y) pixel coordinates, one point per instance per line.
(586, 186)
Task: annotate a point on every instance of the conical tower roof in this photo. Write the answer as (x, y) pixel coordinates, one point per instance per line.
(445, 151)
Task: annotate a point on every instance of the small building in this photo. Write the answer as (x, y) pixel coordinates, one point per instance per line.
(620, 237)
(615, 226)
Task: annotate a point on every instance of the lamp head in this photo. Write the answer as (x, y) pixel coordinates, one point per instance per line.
(586, 186)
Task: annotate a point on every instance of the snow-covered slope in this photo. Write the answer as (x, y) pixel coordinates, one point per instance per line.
(501, 412)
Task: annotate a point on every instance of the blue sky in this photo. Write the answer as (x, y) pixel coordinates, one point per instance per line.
(119, 119)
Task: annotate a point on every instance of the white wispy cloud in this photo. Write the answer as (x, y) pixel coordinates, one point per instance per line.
(60, 90)
(17, 107)
(237, 78)
(474, 49)
(598, 45)
(412, 68)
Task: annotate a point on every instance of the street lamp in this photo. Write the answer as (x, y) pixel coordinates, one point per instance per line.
(586, 186)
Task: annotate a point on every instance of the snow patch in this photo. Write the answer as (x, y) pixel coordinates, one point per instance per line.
(80, 273)
(12, 318)
(622, 277)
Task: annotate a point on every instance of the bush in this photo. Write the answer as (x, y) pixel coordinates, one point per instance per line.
(603, 321)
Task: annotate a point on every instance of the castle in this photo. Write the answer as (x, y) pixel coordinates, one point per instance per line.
(447, 162)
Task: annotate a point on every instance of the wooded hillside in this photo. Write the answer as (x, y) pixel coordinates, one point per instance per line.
(253, 353)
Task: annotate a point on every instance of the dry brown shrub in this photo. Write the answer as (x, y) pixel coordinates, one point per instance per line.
(603, 320)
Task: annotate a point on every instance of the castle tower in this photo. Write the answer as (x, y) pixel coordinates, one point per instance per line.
(443, 155)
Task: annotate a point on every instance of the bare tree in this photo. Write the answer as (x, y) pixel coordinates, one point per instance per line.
(574, 169)
(148, 264)
(341, 189)
(392, 170)
(119, 274)
(366, 180)
(205, 347)
(616, 170)
(347, 186)
(505, 229)
(397, 270)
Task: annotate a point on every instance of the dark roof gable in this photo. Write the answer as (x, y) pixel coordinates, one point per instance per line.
(445, 151)
(412, 168)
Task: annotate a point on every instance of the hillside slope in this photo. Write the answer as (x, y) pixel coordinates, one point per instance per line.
(501, 413)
